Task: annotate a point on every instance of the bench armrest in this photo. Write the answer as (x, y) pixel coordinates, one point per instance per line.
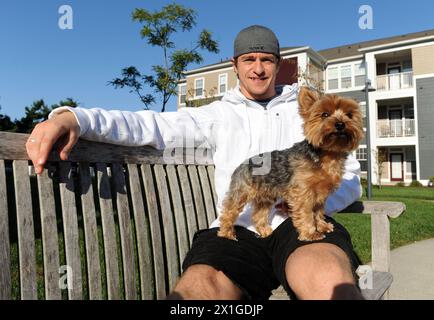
(380, 212)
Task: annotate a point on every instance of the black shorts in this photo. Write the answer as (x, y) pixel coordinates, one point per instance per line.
(257, 265)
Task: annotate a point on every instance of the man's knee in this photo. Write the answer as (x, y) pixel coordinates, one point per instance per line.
(321, 271)
(204, 282)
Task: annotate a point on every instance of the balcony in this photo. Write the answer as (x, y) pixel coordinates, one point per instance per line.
(395, 81)
(395, 128)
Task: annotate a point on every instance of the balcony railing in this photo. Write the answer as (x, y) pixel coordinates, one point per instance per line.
(395, 128)
(395, 81)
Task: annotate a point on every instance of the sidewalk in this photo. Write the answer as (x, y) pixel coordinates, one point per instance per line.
(412, 267)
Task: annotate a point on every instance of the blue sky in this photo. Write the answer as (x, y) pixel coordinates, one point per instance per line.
(39, 60)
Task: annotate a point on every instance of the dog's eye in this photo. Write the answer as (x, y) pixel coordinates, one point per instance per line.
(350, 115)
(325, 115)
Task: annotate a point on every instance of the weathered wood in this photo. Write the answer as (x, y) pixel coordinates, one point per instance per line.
(143, 236)
(127, 244)
(181, 228)
(5, 255)
(157, 237)
(188, 202)
(211, 175)
(173, 268)
(389, 208)
(109, 232)
(12, 148)
(381, 283)
(198, 199)
(50, 239)
(90, 233)
(380, 245)
(207, 194)
(26, 233)
(70, 231)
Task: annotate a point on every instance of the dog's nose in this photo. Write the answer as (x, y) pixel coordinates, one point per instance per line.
(340, 126)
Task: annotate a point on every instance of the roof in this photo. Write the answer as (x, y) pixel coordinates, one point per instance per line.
(353, 49)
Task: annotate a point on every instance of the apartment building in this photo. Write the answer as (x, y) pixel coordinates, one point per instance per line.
(400, 106)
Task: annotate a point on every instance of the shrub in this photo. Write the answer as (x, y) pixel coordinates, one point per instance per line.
(400, 184)
(416, 183)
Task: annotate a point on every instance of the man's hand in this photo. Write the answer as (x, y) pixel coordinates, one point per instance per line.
(63, 128)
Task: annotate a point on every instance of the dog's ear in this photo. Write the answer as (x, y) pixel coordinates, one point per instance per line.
(306, 98)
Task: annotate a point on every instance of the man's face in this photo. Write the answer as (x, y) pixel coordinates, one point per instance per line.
(257, 74)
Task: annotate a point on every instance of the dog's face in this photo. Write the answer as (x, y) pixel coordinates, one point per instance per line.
(330, 122)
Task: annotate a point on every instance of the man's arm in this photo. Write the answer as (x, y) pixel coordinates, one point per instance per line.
(190, 127)
(350, 189)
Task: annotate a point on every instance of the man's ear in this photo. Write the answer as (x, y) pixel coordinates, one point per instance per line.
(234, 65)
(306, 98)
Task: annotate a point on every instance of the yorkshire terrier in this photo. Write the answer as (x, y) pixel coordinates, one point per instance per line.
(303, 175)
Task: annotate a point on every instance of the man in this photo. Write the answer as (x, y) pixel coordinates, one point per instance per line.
(251, 119)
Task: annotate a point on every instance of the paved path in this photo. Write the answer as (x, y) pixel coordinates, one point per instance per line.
(412, 267)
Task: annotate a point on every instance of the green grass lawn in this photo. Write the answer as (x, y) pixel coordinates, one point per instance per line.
(416, 224)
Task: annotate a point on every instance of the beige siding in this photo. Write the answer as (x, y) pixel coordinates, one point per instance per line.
(423, 60)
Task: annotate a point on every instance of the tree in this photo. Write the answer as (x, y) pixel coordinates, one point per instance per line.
(5, 123)
(159, 28)
(38, 112)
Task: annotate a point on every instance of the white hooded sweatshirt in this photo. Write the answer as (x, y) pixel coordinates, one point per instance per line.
(234, 128)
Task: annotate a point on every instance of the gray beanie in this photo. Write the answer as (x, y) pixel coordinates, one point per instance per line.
(256, 39)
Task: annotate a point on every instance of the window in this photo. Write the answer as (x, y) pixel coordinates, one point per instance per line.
(346, 76)
(333, 79)
(198, 87)
(359, 74)
(223, 83)
(182, 93)
(362, 157)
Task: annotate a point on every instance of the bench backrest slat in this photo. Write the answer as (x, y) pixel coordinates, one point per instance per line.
(207, 194)
(70, 230)
(108, 231)
(90, 232)
(26, 233)
(197, 196)
(211, 173)
(5, 256)
(50, 239)
(173, 267)
(126, 235)
(180, 219)
(155, 227)
(143, 236)
(187, 196)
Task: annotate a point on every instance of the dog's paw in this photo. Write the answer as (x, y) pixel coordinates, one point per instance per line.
(228, 234)
(265, 232)
(325, 227)
(311, 236)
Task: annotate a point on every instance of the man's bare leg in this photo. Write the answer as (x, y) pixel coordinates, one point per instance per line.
(321, 271)
(203, 282)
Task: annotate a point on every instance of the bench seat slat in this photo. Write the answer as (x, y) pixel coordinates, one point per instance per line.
(70, 230)
(26, 233)
(90, 232)
(128, 252)
(109, 232)
(141, 222)
(50, 239)
(5, 256)
(154, 221)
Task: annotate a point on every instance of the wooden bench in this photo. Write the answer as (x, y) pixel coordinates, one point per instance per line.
(120, 221)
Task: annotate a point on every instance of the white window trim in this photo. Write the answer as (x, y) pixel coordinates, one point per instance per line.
(203, 88)
(225, 75)
(179, 97)
(353, 76)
